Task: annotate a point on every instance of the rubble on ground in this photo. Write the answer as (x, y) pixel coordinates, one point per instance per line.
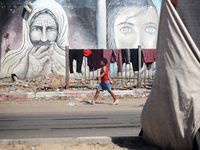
(50, 82)
(56, 82)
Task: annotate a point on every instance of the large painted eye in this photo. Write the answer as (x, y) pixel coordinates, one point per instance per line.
(150, 30)
(125, 30)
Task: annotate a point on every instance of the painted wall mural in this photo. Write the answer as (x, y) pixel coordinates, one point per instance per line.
(36, 42)
(131, 23)
(45, 34)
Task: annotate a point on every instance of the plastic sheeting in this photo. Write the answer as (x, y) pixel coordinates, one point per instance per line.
(171, 115)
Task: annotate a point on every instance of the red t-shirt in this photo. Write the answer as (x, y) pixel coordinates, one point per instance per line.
(105, 77)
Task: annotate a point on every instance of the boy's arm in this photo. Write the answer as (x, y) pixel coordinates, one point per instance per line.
(110, 80)
(100, 76)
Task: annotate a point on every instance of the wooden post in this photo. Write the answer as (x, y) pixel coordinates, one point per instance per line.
(93, 76)
(85, 70)
(67, 66)
(139, 63)
(125, 74)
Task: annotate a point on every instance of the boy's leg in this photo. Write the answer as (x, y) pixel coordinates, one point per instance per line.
(112, 94)
(95, 97)
(97, 94)
(115, 102)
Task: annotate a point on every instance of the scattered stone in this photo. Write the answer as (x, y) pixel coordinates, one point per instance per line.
(78, 99)
(71, 104)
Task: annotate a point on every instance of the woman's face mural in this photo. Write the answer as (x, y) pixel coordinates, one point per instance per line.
(132, 28)
(43, 28)
(131, 23)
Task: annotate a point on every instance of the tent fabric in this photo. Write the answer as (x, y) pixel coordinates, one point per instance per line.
(189, 13)
(171, 116)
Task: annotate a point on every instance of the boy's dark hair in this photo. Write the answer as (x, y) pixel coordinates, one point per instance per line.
(104, 60)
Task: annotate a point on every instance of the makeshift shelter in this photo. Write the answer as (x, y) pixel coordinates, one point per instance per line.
(171, 115)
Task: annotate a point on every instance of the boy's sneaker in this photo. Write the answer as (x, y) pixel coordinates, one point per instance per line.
(92, 102)
(115, 102)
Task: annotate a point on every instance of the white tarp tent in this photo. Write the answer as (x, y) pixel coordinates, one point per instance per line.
(171, 115)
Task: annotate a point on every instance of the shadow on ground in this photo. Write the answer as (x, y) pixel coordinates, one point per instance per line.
(133, 143)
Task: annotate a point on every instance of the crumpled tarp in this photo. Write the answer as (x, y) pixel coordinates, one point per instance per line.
(171, 115)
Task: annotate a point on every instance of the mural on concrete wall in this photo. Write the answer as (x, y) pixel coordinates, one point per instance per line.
(131, 23)
(37, 40)
(45, 34)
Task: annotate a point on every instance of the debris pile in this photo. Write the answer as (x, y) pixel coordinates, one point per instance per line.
(51, 82)
(57, 82)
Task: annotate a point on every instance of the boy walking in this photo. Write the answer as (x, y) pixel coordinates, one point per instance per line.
(105, 83)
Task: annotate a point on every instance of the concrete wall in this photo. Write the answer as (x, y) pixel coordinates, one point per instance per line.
(36, 42)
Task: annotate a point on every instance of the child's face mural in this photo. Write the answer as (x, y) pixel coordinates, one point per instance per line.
(43, 28)
(131, 31)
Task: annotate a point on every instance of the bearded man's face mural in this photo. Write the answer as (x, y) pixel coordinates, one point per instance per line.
(44, 28)
(45, 35)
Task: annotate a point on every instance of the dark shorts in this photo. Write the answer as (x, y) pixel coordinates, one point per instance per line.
(105, 86)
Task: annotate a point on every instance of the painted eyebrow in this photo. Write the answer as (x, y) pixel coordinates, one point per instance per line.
(39, 25)
(126, 23)
(150, 23)
(35, 26)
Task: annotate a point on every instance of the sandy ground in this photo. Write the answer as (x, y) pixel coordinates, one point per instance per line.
(82, 146)
(65, 104)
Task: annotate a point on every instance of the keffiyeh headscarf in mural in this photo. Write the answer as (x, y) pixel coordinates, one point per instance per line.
(21, 62)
